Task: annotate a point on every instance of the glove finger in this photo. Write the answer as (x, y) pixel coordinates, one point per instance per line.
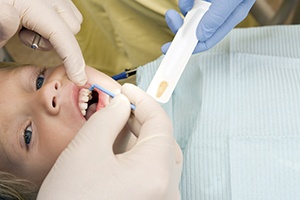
(27, 37)
(61, 38)
(155, 142)
(67, 11)
(185, 6)
(103, 127)
(9, 23)
(165, 47)
(148, 113)
(201, 46)
(213, 19)
(174, 20)
(86, 153)
(76, 12)
(236, 16)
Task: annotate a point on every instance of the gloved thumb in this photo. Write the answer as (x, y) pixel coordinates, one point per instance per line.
(9, 22)
(103, 127)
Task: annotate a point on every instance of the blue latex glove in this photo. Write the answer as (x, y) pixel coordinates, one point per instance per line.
(222, 16)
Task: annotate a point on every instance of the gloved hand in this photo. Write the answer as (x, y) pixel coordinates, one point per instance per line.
(222, 16)
(89, 169)
(56, 20)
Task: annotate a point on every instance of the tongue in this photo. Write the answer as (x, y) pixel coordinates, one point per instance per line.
(91, 110)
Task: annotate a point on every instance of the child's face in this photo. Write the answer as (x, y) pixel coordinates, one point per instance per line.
(39, 117)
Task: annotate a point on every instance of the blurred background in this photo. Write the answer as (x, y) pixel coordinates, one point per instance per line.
(263, 13)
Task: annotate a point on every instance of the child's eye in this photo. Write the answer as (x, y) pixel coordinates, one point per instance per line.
(27, 135)
(40, 80)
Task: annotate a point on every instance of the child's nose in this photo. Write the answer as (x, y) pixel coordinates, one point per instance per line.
(50, 97)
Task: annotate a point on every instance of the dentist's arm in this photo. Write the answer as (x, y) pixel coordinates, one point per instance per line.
(55, 20)
(222, 16)
(89, 169)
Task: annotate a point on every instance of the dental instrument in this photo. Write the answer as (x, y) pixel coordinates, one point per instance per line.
(178, 55)
(36, 41)
(112, 95)
(125, 74)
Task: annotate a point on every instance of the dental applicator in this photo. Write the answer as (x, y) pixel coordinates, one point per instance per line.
(112, 95)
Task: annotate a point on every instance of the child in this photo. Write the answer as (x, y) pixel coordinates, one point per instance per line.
(235, 114)
(42, 110)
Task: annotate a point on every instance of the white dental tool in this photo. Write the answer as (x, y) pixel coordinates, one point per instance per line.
(178, 55)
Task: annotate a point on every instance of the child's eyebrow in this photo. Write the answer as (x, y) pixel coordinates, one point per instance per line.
(28, 76)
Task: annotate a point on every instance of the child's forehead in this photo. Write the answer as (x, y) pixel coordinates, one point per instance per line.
(13, 74)
(11, 65)
(16, 68)
(12, 68)
(15, 65)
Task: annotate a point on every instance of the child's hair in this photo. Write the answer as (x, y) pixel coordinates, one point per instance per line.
(12, 188)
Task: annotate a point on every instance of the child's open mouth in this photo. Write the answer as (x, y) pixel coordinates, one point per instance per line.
(90, 101)
(92, 104)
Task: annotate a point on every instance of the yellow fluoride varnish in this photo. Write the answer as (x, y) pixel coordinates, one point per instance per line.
(178, 55)
(162, 87)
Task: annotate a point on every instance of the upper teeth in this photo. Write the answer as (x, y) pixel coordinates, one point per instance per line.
(84, 97)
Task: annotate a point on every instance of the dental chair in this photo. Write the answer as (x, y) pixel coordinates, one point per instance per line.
(116, 58)
(4, 56)
(265, 14)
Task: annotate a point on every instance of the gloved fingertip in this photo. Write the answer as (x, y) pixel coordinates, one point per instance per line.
(119, 99)
(201, 38)
(79, 79)
(169, 15)
(185, 6)
(165, 47)
(82, 81)
(202, 35)
(200, 47)
(174, 20)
